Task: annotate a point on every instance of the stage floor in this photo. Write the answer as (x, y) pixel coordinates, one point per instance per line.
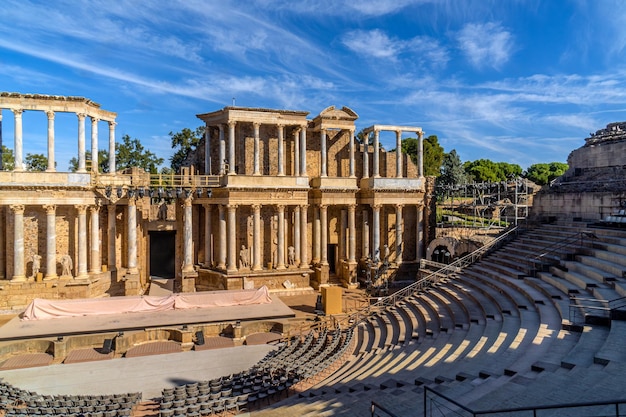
(18, 329)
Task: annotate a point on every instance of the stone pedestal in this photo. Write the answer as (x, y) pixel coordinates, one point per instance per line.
(349, 274)
(189, 281)
(322, 273)
(131, 284)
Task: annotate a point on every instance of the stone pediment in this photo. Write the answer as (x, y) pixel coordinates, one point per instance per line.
(333, 118)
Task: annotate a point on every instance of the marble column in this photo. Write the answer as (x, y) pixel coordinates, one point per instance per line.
(351, 233)
(316, 235)
(281, 150)
(296, 234)
(94, 144)
(420, 154)
(303, 167)
(323, 156)
(19, 270)
(221, 249)
(342, 249)
(94, 243)
(296, 152)
(232, 238)
(18, 144)
(257, 150)
(398, 154)
(303, 237)
(81, 142)
(207, 150)
(256, 236)
(51, 161)
(366, 235)
(376, 232)
(222, 141)
(366, 158)
(231, 148)
(324, 234)
(187, 235)
(81, 273)
(111, 235)
(280, 244)
(131, 218)
(351, 148)
(419, 237)
(399, 233)
(112, 162)
(376, 156)
(208, 238)
(3, 231)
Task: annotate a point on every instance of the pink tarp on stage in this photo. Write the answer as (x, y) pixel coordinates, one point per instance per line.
(41, 309)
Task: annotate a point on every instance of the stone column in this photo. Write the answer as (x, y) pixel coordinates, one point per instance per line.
(323, 169)
(208, 250)
(398, 154)
(94, 244)
(51, 162)
(207, 150)
(231, 148)
(222, 149)
(51, 242)
(221, 249)
(399, 233)
(257, 147)
(232, 238)
(112, 232)
(316, 235)
(280, 244)
(131, 217)
(376, 233)
(376, 156)
(324, 234)
(296, 152)
(366, 235)
(419, 237)
(351, 173)
(420, 155)
(81, 142)
(366, 158)
(3, 230)
(19, 270)
(352, 233)
(303, 167)
(257, 263)
(81, 273)
(296, 234)
(19, 161)
(281, 150)
(112, 166)
(187, 235)
(303, 237)
(94, 144)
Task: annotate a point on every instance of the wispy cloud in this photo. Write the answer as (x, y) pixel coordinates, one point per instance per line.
(485, 44)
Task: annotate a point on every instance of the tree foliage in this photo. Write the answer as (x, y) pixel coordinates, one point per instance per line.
(433, 153)
(103, 161)
(36, 162)
(543, 173)
(185, 142)
(452, 171)
(131, 154)
(8, 160)
(485, 170)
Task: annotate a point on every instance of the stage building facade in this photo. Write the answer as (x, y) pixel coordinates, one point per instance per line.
(270, 197)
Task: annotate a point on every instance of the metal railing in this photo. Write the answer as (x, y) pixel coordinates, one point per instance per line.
(438, 408)
(566, 241)
(580, 308)
(146, 180)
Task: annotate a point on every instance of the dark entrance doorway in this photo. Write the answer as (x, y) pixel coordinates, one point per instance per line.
(332, 257)
(163, 254)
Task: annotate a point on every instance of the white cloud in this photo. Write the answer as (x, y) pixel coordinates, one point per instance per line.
(374, 43)
(485, 45)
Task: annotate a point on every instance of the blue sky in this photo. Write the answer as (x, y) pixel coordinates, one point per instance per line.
(519, 81)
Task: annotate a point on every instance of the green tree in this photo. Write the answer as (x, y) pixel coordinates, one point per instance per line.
(543, 173)
(131, 153)
(433, 153)
(103, 161)
(452, 171)
(186, 141)
(36, 162)
(485, 170)
(8, 160)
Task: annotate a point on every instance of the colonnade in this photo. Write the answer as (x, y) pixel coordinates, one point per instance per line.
(324, 153)
(18, 151)
(376, 129)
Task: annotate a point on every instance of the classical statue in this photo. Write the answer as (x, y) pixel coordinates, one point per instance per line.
(291, 255)
(386, 258)
(36, 265)
(162, 214)
(66, 265)
(244, 259)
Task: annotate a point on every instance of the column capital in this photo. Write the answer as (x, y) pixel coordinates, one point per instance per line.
(377, 206)
(112, 123)
(81, 116)
(256, 124)
(280, 207)
(17, 208)
(186, 202)
(256, 207)
(296, 209)
(351, 207)
(111, 207)
(50, 114)
(323, 206)
(420, 134)
(232, 123)
(17, 112)
(304, 207)
(94, 119)
(50, 208)
(81, 208)
(94, 209)
(231, 206)
(399, 206)
(207, 206)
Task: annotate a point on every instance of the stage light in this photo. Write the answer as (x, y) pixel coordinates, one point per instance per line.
(179, 192)
(120, 192)
(141, 192)
(199, 192)
(131, 192)
(107, 191)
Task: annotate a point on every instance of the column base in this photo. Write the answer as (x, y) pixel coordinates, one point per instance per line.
(51, 277)
(18, 278)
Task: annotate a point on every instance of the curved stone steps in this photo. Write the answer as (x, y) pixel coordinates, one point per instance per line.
(370, 336)
(417, 318)
(518, 302)
(612, 349)
(614, 248)
(587, 278)
(382, 331)
(606, 268)
(406, 325)
(397, 326)
(556, 295)
(617, 258)
(442, 311)
(489, 306)
(432, 325)
(458, 310)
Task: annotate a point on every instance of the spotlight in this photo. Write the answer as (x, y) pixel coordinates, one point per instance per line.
(209, 192)
(188, 192)
(160, 192)
(107, 191)
(131, 192)
(120, 192)
(179, 192)
(199, 192)
(170, 193)
(141, 192)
